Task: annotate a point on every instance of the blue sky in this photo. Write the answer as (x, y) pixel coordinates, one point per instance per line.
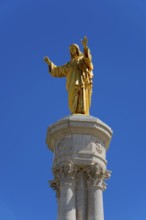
(31, 99)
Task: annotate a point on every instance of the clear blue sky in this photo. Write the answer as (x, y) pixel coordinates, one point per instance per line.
(30, 99)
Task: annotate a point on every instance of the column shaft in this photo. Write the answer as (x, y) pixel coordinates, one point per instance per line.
(95, 204)
(58, 209)
(81, 197)
(67, 201)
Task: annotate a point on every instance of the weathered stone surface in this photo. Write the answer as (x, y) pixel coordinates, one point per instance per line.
(79, 144)
(81, 139)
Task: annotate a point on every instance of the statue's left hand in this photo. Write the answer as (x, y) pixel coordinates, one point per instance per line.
(84, 42)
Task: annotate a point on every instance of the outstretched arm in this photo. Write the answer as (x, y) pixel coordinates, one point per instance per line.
(54, 70)
(50, 64)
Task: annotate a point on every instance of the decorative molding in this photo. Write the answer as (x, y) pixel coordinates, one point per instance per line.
(79, 125)
(55, 184)
(67, 173)
(64, 144)
(96, 175)
(99, 147)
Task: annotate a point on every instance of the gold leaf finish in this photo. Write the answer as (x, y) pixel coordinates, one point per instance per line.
(78, 73)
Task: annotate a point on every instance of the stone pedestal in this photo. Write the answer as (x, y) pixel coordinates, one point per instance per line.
(79, 144)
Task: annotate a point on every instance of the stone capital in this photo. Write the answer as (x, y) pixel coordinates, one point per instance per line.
(96, 175)
(66, 172)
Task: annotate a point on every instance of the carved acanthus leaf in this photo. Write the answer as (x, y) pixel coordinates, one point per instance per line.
(99, 147)
(55, 184)
(65, 171)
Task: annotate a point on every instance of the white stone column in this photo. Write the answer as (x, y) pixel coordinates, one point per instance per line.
(67, 201)
(95, 202)
(96, 185)
(55, 184)
(81, 196)
(58, 217)
(67, 208)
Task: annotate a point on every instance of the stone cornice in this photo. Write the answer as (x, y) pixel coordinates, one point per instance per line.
(80, 125)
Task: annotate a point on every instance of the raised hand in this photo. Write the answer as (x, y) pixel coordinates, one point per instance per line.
(84, 42)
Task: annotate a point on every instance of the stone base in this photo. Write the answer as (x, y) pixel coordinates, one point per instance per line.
(79, 144)
(80, 139)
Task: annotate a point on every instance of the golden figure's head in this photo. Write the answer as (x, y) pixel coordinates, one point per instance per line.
(74, 51)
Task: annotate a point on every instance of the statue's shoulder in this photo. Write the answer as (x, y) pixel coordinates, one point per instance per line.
(66, 65)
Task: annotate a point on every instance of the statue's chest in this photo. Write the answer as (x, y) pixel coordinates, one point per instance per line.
(77, 65)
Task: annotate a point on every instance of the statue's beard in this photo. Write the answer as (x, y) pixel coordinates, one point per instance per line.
(74, 56)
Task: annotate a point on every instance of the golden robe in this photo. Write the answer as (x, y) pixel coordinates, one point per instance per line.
(78, 73)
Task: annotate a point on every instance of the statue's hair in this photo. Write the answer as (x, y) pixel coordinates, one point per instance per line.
(78, 50)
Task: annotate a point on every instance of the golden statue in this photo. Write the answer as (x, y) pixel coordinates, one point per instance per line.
(79, 76)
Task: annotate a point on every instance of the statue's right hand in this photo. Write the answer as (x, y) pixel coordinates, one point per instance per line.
(47, 60)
